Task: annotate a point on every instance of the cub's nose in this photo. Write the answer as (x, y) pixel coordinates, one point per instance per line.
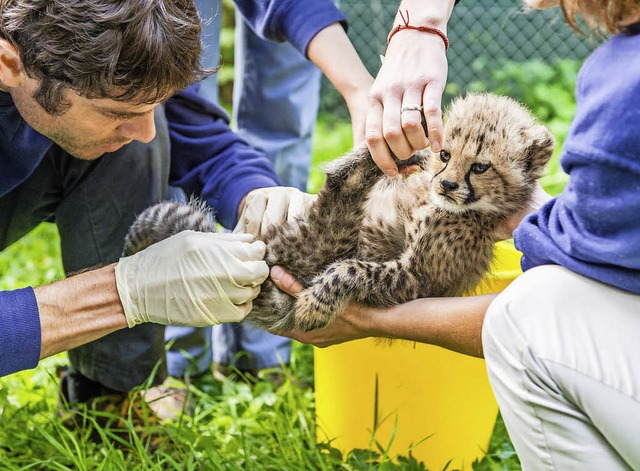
(448, 185)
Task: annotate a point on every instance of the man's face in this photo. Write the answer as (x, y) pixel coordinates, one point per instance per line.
(89, 127)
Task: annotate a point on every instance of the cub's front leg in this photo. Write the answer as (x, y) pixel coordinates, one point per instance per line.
(370, 283)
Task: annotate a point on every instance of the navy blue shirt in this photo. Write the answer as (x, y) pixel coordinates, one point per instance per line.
(593, 226)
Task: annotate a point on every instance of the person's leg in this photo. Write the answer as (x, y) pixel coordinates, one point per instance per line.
(93, 203)
(211, 13)
(276, 95)
(275, 105)
(563, 360)
(189, 348)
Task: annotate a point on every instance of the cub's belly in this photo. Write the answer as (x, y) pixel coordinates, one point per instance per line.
(390, 203)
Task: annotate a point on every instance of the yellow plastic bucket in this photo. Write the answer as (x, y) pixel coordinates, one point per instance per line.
(409, 396)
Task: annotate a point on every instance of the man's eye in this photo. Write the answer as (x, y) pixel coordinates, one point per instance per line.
(445, 156)
(479, 168)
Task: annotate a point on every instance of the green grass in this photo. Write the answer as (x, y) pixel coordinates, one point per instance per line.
(236, 426)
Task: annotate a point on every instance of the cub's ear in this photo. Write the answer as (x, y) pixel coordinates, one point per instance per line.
(539, 146)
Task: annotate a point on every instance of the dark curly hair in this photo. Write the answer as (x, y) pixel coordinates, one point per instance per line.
(138, 51)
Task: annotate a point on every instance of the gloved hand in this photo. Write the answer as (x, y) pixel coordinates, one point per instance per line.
(267, 206)
(192, 279)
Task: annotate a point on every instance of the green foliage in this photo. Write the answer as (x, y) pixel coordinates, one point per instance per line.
(332, 139)
(33, 260)
(226, 71)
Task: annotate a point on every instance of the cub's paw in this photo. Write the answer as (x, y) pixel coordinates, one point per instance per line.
(310, 313)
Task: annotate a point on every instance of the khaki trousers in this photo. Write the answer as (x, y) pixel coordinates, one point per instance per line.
(563, 357)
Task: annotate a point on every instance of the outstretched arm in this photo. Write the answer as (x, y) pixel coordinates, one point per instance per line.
(191, 278)
(452, 323)
(78, 310)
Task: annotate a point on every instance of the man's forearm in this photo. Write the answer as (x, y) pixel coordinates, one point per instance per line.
(78, 310)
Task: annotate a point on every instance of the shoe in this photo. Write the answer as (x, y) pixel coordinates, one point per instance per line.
(169, 400)
(85, 405)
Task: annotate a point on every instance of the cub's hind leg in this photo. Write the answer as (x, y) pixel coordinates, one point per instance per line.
(371, 283)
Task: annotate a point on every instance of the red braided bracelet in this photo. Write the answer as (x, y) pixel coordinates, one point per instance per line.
(424, 29)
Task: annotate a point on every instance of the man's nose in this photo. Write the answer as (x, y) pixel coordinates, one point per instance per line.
(141, 128)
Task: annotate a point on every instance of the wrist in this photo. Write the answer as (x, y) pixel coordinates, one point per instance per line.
(406, 25)
(434, 14)
(241, 206)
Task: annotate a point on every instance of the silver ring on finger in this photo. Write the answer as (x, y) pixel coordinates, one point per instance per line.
(413, 107)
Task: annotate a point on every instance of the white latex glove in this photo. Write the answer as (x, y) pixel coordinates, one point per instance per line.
(268, 206)
(192, 279)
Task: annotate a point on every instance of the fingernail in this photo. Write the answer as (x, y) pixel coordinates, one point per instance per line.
(277, 273)
(391, 172)
(435, 146)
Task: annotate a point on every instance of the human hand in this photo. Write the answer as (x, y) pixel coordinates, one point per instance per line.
(264, 207)
(192, 278)
(350, 324)
(358, 104)
(414, 72)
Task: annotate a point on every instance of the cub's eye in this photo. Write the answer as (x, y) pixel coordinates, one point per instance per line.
(479, 168)
(445, 156)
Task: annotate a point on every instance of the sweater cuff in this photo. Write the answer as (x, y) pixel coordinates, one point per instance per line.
(20, 333)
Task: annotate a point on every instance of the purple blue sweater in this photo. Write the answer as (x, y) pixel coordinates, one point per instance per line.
(207, 158)
(593, 226)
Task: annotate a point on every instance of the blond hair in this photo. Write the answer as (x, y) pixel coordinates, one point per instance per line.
(602, 15)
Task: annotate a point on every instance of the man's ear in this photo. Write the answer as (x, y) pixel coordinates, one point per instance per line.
(11, 73)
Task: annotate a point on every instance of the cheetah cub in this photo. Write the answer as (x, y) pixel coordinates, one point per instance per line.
(379, 240)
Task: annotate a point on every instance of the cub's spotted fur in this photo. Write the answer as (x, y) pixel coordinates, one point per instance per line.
(381, 240)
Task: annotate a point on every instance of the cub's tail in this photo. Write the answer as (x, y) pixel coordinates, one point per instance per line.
(165, 219)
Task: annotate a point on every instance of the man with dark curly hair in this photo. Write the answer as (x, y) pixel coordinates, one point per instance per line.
(98, 113)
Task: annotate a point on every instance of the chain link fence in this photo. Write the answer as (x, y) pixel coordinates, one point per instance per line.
(484, 34)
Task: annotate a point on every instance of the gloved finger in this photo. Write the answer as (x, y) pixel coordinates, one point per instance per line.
(251, 273)
(247, 251)
(299, 205)
(253, 212)
(233, 313)
(242, 294)
(233, 237)
(277, 208)
(243, 311)
(241, 225)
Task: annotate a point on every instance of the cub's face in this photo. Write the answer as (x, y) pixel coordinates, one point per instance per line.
(493, 152)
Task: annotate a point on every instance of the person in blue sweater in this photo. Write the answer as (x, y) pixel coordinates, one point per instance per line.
(100, 111)
(561, 342)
